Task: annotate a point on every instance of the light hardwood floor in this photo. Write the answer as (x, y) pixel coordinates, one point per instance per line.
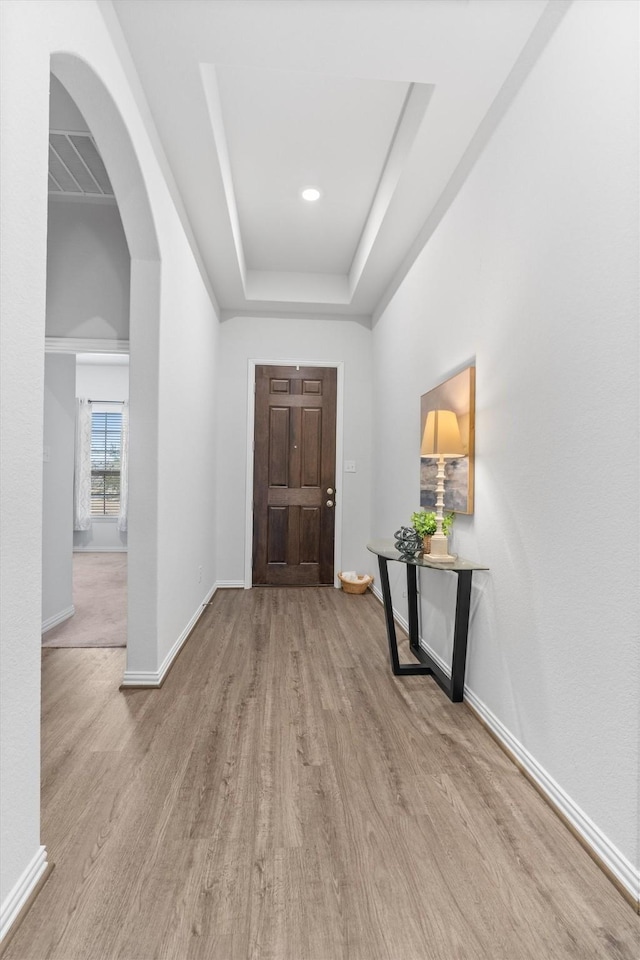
(283, 797)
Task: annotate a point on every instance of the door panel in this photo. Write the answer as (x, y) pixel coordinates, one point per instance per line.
(277, 535)
(279, 429)
(309, 533)
(294, 466)
(311, 436)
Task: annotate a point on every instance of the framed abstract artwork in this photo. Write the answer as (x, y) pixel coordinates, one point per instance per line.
(456, 394)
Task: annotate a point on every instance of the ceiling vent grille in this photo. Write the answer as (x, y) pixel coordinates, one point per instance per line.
(75, 166)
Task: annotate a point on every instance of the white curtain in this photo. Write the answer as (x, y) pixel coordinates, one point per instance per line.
(82, 475)
(124, 468)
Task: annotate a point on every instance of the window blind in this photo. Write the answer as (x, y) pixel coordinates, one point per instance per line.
(106, 432)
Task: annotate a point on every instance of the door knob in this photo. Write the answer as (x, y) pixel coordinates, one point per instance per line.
(329, 503)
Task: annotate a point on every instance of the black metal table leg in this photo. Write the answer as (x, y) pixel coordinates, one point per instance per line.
(400, 669)
(388, 614)
(452, 685)
(412, 599)
(460, 634)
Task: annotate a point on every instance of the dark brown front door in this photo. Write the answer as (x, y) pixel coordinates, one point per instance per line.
(294, 475)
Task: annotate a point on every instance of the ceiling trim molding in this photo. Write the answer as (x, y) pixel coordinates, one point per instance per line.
(364, 319)
(209, 79)
(83, 198)
(84, 345)
(538, 40)
(116, 33)
(411, 116)
(272, 286)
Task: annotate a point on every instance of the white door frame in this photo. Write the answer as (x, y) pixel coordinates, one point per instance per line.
(251, 381)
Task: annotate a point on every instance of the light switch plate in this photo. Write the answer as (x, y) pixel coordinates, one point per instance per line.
(349, 466)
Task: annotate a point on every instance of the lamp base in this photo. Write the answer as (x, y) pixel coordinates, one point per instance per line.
(440, 549)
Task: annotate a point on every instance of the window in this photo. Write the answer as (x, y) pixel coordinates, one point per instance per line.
(106, 433)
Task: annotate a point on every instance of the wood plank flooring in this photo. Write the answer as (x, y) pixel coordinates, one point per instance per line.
(283, 797)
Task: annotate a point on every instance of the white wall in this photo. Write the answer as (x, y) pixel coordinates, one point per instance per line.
(22, 309)
(102, 381)
(187, 467)
(170, 372)
(534, 272)
(63, 112)
(88, 272)
(242, 339)
(99, 379)
(57, 509)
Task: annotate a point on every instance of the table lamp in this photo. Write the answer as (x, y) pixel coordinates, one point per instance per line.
(441, 439)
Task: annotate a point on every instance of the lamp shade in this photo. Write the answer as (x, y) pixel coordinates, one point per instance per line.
(441, 436)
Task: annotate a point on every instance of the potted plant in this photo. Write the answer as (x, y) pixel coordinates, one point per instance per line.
(424, 523)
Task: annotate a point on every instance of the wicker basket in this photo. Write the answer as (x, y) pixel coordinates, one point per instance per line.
(360, 586)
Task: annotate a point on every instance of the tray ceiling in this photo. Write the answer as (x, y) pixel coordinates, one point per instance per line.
(382, 104)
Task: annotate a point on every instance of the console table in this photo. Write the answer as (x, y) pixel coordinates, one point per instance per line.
(453, 686)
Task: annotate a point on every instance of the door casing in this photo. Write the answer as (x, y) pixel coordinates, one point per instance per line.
(251, 379)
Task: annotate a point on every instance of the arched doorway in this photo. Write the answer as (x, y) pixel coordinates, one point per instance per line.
(115, 147)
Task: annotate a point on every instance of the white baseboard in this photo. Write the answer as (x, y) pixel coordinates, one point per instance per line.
(58, 618)
(155, 678)
(615, 862)
(230, 585)
(21, 892)
(627, 875)
(100, 550)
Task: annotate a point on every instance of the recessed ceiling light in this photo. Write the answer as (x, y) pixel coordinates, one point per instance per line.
(310, 194)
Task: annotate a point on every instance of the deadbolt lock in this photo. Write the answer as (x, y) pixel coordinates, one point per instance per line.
(329, 490)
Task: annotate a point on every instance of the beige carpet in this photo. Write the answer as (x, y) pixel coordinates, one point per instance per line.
(100, 601)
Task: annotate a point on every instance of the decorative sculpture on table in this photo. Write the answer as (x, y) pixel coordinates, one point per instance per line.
(407, 541)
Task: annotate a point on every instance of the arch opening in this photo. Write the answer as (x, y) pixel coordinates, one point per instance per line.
(118, 154)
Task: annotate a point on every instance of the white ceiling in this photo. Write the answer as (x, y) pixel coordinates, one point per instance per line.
(382, 104)
(286, 120)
